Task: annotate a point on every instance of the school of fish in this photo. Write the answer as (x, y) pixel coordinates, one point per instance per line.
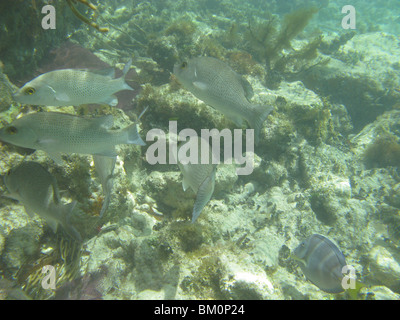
(209, 79)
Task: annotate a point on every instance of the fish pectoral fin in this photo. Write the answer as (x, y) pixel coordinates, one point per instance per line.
(62, 96)
(45, 142)
(200, 85)
(204, 194)
(105, 122)
(13, 196)
(111, 101)
(56, 158)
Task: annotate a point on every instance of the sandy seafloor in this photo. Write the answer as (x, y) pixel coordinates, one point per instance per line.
(318, 167)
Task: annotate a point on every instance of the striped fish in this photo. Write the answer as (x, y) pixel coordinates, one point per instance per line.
(321, 262)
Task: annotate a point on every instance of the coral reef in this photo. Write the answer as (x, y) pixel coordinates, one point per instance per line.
(383, 152)
(362, 75)
(6, 89)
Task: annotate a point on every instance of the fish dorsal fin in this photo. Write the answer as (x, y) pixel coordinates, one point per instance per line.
(107, 72)
(248, 89)
(105, 122)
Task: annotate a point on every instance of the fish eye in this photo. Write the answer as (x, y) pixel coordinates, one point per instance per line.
(11, 130)
(30, 90)
(184, 65)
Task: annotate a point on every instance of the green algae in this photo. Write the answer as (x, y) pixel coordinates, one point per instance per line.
(383, 152)
(273, 45)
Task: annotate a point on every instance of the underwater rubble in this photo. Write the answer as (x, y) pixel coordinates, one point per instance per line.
(319, 168)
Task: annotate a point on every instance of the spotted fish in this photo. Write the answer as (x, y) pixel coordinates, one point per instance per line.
(214, 82)
(200, 177)
(105, 168)
(32, 185)
(73, 87)
(56, 132)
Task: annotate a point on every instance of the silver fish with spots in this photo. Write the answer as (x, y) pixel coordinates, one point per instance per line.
(321, 262)
(32, 185)
(57, 133)
(200, 177)
(214, 82)
(73, 87)
(105, 168)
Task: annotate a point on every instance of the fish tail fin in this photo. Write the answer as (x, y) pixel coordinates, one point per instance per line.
(258, 117)
(204, 194)
(125, 71)
(68, 227)
(133, 136)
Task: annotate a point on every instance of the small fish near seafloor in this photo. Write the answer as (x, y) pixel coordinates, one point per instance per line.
(215, 83)
(199, 177)
(322, 263)
(105, 168)
(73, 87)
(55, 132)
(32, 185)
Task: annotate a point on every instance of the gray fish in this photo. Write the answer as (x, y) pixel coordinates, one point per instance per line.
(73, 87)
(321, 262)
(37, 190)
(56, 132)
(215, 83)
(105, 168)
(199, 177)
